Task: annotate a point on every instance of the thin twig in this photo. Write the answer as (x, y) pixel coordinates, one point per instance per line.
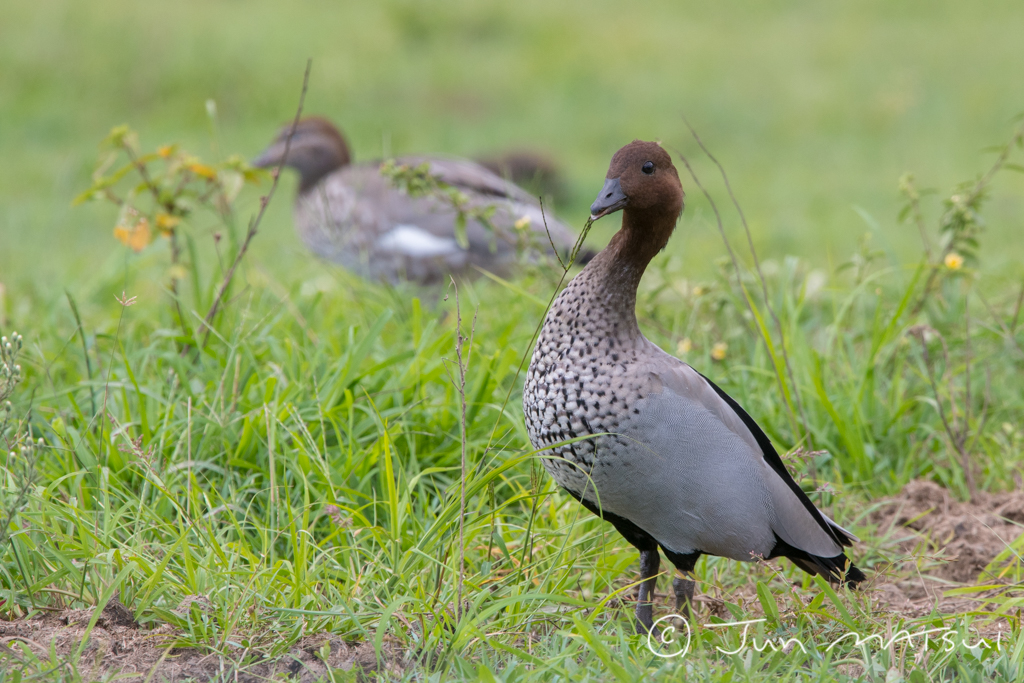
(168, 206)
(914, 198)
(736, 267)
(967, 360)
(915, 204)
(255, 223)
(577, 247)
(547, 231)
(979, 187)
(983, 420)
(955, 434)
(125, 303)
(234, 384)
(964, 453)
(24, 488)
(935, 392)
(1016, 309)
(188, 470)
(1003, 329)
(85, 350)
(764, 285)
(460, 385)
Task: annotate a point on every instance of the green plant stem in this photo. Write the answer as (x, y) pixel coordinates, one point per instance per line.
(254, 224)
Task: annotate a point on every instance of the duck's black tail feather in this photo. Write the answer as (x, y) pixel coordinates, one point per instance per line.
(838, 570)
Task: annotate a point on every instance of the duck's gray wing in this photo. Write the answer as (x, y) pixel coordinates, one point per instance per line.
(358, 218)
(511, 203)
(470, 177)
(707, 478)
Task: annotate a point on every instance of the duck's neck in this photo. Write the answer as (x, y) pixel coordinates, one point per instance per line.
(318, 160)
(312, 171)
(609, 282)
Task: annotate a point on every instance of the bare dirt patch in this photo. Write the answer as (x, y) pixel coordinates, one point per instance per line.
(117, 645)
(942, 543)
(963, 538)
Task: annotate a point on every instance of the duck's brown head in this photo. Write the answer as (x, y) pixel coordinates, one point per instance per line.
(317, 148)
(641, 180)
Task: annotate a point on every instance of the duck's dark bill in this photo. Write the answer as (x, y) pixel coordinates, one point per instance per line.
(271, 156)
(609, 200)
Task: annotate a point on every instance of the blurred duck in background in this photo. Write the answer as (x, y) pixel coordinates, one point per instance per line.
(358, 217)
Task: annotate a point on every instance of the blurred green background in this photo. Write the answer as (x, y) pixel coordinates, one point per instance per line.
(815, 109)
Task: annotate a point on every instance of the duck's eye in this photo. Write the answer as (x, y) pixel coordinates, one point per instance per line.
(648, 168)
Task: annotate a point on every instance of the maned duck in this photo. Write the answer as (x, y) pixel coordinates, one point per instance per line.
(352, 215)
(673, 460)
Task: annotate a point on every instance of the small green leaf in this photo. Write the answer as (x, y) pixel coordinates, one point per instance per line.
(917, 676)
(768, 604)
(460, 230)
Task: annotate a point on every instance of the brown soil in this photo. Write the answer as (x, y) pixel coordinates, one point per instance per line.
(964, 537)
(117, 645)
(942, 543)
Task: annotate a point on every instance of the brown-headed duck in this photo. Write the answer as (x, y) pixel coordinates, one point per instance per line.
(674, 462)
(352, 215)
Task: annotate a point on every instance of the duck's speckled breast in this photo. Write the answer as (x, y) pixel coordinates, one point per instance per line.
(582, 381)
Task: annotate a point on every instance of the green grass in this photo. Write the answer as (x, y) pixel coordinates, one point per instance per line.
(215, 475)
(303, 471)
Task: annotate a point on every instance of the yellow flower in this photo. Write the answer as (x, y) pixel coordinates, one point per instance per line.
(135, 237)
(954, 261)
(523, 223)
(166, 223)
(719, 350)
(203, 171)
(684, 346)
(166, 151)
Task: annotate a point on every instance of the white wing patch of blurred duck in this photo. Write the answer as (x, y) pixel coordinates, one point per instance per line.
(413, 241)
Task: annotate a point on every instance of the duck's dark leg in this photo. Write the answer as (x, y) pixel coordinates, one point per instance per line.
(681, 585)
(650, 560)
(683, 588)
